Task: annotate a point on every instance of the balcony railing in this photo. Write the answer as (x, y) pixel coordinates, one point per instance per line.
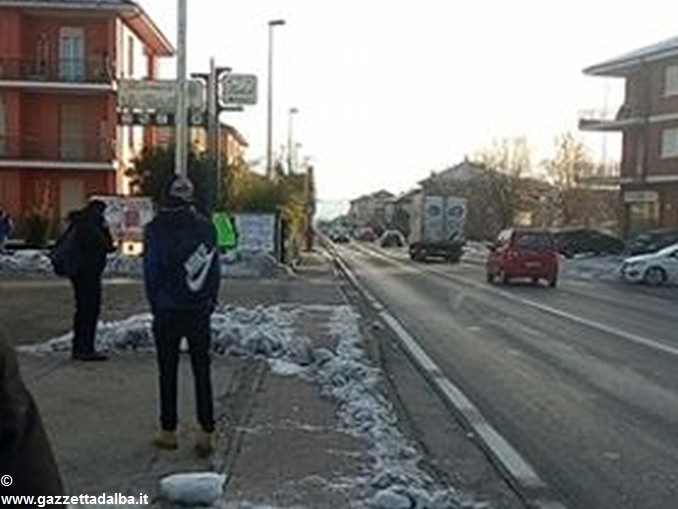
(98, 70)
(75, 149)
(601, 120)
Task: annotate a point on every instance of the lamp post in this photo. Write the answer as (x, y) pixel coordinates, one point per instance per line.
(269, 125)
(291, 113)
(181, 133)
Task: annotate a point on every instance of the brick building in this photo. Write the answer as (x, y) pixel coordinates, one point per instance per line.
(648, 121)
(59, 66)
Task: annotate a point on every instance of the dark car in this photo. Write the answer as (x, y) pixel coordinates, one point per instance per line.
(523, 253)
(366, 235)
(571, 242)
(392, 238)
(651, 241)
(339, 237)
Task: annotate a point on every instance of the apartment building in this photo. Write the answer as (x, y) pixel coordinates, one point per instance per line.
(648, 122)
(60, 62)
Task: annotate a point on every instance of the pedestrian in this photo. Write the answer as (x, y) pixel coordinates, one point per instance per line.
(92, 243)
(25, 453)
(6, 228)
(182, 277)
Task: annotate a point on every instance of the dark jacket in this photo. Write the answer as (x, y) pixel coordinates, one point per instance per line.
(94, 242)
(25, 453)
(181, 261)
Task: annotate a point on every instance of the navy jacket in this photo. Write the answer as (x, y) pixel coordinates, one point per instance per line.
(94, 242)
(181, 261)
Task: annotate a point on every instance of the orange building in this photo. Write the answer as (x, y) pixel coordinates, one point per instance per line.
(60, 62)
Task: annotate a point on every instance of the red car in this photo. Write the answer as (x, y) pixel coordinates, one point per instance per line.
(520, 253)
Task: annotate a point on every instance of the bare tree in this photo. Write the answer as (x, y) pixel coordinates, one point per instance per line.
(571, 162)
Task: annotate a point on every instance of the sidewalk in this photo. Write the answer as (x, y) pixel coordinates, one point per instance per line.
(303, 416)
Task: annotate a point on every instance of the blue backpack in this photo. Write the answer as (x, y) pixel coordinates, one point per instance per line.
(65, 255)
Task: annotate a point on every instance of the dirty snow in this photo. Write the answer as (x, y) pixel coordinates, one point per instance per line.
(604, 267)
(193, 488)
(345, 375)
(238, 264)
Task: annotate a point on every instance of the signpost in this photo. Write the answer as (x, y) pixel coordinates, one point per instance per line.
(238, 89)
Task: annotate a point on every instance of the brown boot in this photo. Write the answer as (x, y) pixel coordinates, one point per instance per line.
(165, 439)
(204, 443)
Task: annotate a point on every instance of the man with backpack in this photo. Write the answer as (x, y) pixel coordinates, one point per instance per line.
(182, 277)
(80, 255)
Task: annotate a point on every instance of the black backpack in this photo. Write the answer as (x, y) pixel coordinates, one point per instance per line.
(65, 255)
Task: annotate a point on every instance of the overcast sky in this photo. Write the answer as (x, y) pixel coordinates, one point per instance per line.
(388, 91)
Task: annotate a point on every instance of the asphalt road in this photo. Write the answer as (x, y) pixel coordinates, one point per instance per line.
(581, 380)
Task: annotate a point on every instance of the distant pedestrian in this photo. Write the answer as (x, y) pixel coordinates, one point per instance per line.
(182, 276)
(25, 452)
(6, 228)
(92, 243)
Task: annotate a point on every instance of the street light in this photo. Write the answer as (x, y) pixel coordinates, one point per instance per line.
(291, 113)
(269, 125)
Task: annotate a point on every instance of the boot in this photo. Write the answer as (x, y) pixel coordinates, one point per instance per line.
(204, 443)
(165, 439)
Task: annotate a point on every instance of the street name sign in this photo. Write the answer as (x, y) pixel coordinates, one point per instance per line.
(159, 95)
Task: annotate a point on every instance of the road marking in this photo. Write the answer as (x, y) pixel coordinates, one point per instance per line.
(509, 458)
(629, 336)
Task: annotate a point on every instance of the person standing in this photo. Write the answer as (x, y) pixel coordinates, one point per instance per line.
(92, 243)
(6, 227)
(182, 277)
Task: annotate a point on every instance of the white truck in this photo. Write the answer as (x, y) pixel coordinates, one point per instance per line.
(437, 226)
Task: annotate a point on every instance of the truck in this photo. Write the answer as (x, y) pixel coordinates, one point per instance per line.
(437, 226)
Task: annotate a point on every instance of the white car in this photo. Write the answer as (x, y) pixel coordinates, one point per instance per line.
(654, 268)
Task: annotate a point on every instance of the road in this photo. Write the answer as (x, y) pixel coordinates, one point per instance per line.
(581, 380)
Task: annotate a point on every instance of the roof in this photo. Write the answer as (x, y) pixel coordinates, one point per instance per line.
(620, 66)
(461, 172)
(235, 133)
(130, 12)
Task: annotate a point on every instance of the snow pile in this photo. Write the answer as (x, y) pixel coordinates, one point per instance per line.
(239, 264)
(345, 375)
(25, 261)
(604, 267)
(194, 488)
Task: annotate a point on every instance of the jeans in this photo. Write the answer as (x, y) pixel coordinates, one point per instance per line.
(87, 289)
(169, 326)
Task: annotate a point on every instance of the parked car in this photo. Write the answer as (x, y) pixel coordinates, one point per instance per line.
(572, 242)
(651, 241)
(366, 235)
(339, 237)
(523, 253)
(654, 269)
(392, 238)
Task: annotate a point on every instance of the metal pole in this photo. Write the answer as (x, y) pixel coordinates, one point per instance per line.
(269, 125)
(213, 131)
(289, 140)
(181, 135)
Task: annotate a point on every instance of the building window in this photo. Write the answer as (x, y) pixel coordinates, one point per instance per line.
(670, 142)
(671, 80)
(130, 56)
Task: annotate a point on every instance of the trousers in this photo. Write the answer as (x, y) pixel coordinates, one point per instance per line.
(87, 288)
(169, 327)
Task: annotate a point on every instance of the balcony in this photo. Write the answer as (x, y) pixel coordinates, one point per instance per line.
(74, 150)
(86, 71)
(600, 120)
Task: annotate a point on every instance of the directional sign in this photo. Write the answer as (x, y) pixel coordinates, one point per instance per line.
(238, 89)
(159, 95)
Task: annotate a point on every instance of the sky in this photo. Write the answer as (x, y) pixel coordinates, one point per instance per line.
(389, 91)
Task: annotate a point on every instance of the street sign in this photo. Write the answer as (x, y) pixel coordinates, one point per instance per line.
(238, 89)
(130, 118)
(159, 95)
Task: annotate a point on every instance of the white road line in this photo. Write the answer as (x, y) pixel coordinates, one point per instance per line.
(504, 452)
(629, 336)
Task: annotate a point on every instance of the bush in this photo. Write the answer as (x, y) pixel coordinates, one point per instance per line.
(36, 230)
